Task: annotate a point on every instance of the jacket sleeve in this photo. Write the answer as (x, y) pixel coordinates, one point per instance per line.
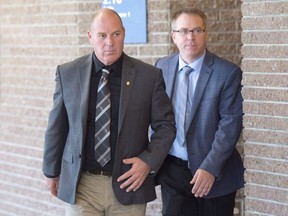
(56, 132)
(229, 124)
(162, 125)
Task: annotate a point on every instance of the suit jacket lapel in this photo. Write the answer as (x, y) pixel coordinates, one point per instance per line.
(172, 68)
(127, 82)
(84, 74)
(202, 82)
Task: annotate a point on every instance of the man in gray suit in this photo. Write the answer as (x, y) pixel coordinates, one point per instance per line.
(203, 169)
(125, 182)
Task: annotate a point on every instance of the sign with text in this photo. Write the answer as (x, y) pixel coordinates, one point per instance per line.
(133, 15)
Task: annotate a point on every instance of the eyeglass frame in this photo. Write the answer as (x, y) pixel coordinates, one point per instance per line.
(184, 32)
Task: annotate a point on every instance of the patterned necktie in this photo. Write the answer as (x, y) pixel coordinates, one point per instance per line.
(102, 121)
(180, 102)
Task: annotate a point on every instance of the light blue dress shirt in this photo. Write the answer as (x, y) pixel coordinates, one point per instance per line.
(178, 149)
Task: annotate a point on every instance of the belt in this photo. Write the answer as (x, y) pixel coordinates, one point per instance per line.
(99, 172)
(178, 161)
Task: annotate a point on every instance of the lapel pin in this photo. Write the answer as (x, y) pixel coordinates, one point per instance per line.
(128, 83)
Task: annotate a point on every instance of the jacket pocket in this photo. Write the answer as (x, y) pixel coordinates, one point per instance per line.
(68, 157)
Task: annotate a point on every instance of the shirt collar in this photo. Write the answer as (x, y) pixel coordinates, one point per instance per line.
(113, 67)
(196, 65)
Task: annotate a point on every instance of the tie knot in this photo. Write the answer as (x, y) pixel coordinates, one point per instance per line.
(187, 69)
(105, 73)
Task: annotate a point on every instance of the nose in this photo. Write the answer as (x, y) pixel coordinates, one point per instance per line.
(109, 40)
(190, 35)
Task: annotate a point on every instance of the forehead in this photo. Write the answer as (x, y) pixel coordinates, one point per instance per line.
(188, 21)
(107, 22)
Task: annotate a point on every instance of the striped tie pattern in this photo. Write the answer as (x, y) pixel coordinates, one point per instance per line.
(102, 121)
(180, 103)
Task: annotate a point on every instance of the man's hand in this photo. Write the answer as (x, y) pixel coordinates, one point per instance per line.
(134, 178)
(203, 182)
(53, 184)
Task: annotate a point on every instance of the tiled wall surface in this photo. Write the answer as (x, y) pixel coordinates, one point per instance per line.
(37, 35)
(265, 80)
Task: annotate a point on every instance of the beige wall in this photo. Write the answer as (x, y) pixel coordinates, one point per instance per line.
(265, 80)
(37, 35)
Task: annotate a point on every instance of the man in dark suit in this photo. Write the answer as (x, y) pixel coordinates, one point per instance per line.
(203, 169)
(125, 182)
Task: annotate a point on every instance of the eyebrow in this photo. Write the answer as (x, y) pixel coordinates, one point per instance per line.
(118, 31)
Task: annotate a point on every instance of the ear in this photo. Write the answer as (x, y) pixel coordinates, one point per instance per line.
(89, 34)
(172, 36)
(124, 31)
(206, 36)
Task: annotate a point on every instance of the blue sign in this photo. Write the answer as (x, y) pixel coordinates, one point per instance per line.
(133, 15)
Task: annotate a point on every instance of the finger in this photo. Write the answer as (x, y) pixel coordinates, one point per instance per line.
(199, 188)
(132, 187)
(126, 183)
(197, 185)
(200, 193)
(129, 180)
(193, 180)
(54, 192)
(197, 191)
(129, 173)
(128, 161)
(138, 186)
(203, 189)
(135, 185)
(53, 189)
(126, 175)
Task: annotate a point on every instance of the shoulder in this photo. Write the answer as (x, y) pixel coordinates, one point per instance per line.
(76, 62)
(140, 65)
(218, 62)
(164, 60)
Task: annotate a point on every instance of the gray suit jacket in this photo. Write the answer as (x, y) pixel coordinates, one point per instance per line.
(216, 121)
(142, 102)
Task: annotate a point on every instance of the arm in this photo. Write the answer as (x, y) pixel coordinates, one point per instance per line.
(163, 125)
(226, 136)
(56, 133)
(229, 124)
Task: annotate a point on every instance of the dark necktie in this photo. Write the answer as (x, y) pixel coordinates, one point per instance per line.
(102, 121)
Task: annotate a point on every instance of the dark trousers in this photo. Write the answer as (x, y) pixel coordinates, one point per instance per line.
(177, 198)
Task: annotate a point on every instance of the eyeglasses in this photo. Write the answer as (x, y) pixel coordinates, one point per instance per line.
(185, 32)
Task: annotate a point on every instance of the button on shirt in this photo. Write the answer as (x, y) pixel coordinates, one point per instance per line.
(177, 149)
